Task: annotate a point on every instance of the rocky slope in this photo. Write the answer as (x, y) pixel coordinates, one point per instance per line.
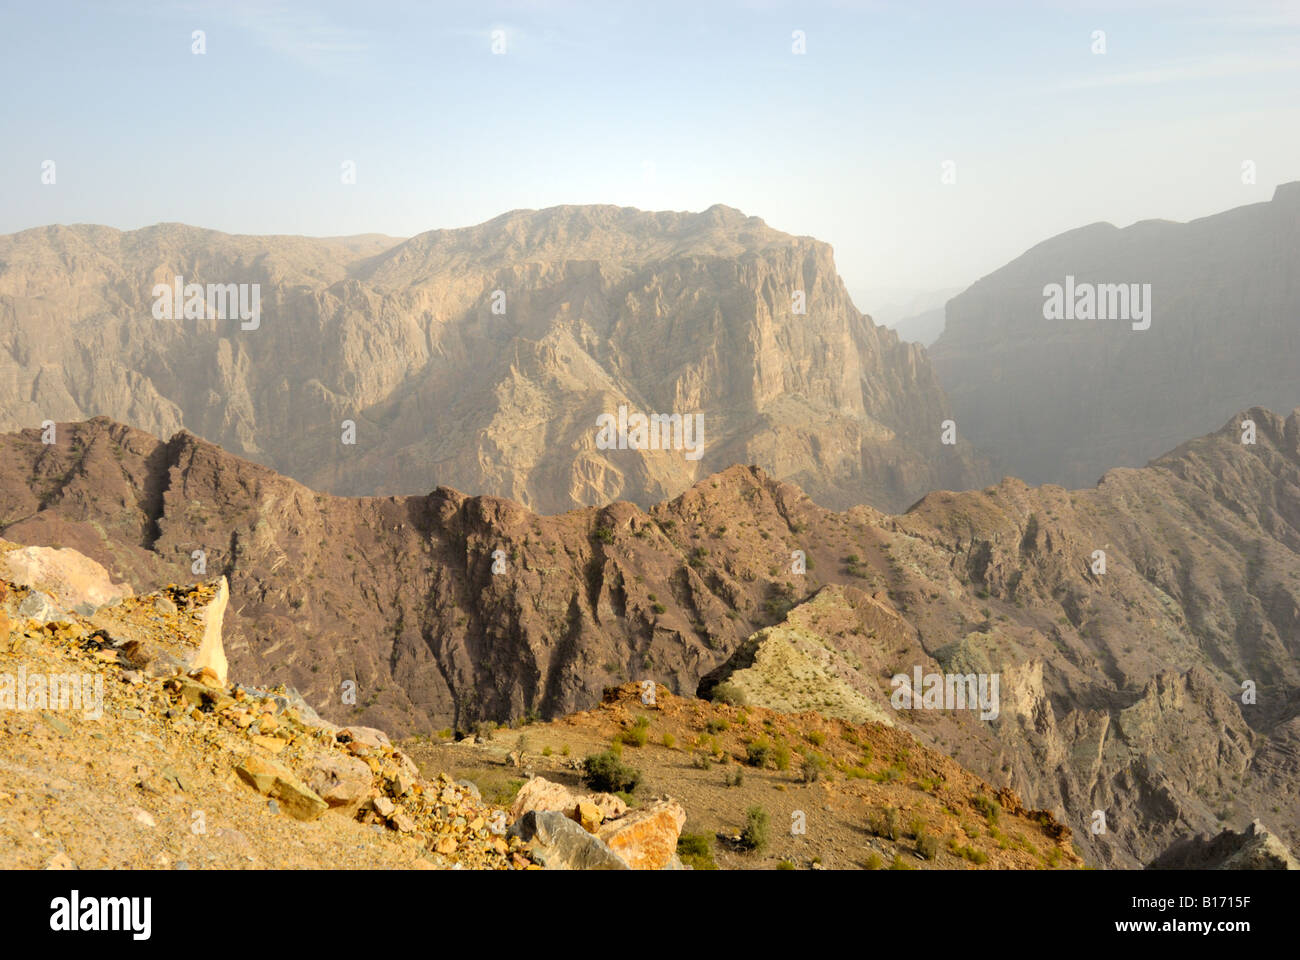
(1062, 401)
(837, 795)
(104, 723)
(481, 358)
(119, 715)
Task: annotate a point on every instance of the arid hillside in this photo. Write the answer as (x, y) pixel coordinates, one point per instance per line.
(117, 709)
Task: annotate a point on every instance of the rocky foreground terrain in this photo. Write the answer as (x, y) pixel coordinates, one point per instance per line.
(1158, 690)
(116, 711)
(1063, 401)
(481, 358)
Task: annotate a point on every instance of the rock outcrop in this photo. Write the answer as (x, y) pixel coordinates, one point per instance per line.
(1254, 848)
(211, 655)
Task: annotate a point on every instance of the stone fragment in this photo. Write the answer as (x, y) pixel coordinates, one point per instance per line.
(41, 608)
(587, 815)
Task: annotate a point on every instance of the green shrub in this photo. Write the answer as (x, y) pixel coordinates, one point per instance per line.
(717, 725)
(814, 765)
(754, 835)
(927, 845)
(606, 773)
(785, 865)
(989, 807)
(734, 777)
(637, 734)
(729, 694)
(781, 756)
(696, 851)
(758, 752)
(968, 853)
(886, 824)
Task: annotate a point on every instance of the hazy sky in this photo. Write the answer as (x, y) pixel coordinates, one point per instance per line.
(657, 105)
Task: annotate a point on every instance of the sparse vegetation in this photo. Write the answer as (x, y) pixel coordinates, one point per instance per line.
(886, 824)
(696, 851)
(729, 694)
(758, 752)
(754, 835)
(989, 807)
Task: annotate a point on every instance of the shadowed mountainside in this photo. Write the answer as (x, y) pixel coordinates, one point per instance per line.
(1062, 401)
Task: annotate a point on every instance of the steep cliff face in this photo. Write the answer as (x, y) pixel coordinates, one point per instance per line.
(1063, 400)
(482, 358)
(1121, 691)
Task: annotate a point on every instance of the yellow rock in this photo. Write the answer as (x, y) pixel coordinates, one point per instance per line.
(588, 815)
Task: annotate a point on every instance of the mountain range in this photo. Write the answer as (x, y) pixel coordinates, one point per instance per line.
(1122, 691)
(483, 358)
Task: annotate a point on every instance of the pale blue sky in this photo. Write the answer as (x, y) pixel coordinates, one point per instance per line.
(660, 105)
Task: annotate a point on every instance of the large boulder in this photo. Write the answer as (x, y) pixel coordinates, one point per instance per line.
(275, 780)
(541, 794)
(344, 782)
(557, 843)
(72, 577)
(647, 838)
(369, 736)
